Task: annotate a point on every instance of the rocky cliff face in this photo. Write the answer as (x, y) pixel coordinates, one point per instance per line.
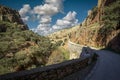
(99, 28)
(10, 16)
(101, 25)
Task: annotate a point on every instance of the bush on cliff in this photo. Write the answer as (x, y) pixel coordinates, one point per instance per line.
(111, 17)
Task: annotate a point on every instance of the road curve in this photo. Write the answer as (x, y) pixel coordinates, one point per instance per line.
(107, 67)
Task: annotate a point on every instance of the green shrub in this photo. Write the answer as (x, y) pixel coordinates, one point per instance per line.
(111, 16)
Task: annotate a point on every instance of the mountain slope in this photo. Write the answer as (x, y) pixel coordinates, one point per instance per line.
(99, 28)
(20, 48)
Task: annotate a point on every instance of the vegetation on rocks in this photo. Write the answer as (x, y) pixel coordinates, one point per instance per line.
(20, 48)
(23, 48)
(111, 17)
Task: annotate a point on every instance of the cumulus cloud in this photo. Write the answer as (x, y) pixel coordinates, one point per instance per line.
(24, 10)
(46, 11)
(50, 7)
(68, 21)
(45, 20)
(43, 29)
(44, 14)
(25, 18)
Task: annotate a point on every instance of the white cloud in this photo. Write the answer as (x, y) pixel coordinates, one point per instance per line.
(43, 29)
(46, 11)
(70, 16)
(23, 11)
(68, 21)
(45, 19)
(25, 18)
(62, 22)
(44, 14)
(50, 7)
(56, 3)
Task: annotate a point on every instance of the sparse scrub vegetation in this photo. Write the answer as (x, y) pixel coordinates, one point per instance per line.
(18, 47)
(111, 17)
(58, 55)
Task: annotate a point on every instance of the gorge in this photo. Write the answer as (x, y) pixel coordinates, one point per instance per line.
(26, 55)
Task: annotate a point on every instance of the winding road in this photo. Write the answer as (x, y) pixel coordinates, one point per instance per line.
(107, 67)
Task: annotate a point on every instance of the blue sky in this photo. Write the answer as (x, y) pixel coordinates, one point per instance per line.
(77, 8)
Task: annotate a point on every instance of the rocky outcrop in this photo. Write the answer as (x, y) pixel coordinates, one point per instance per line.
(7, 14)
(94, 30)
(11, 16)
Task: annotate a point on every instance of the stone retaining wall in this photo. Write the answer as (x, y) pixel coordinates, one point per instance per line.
(75, 50)
(52, 72)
